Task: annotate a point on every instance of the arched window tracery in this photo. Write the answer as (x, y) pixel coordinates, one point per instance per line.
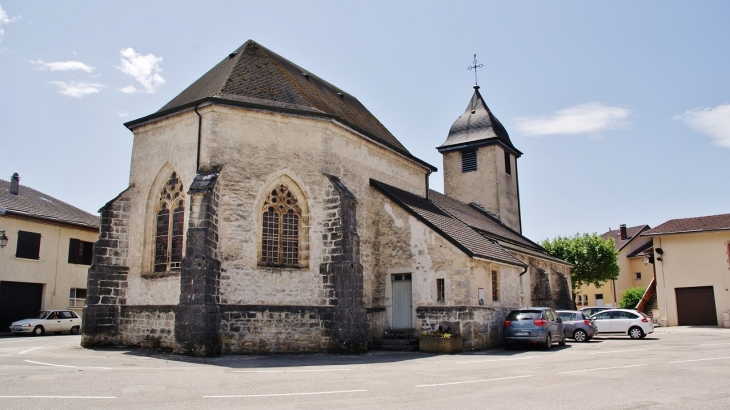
(169, 226)
(281, 226)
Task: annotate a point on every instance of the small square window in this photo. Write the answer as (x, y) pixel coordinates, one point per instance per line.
(440, 290)
(77, 298)
(80, 252)
(637, 275)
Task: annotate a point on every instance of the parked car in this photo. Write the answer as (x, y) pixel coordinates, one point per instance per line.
(55, 321)
(623, 321)
(577, 325)
(592, 310)
(534, 325)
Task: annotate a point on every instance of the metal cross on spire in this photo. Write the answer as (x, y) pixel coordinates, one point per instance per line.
(474, 67)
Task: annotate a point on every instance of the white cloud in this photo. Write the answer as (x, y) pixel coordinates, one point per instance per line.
(714, 122)
(4, 19)
(123, 113)
(590, 118)
(145, 69)
(62, 66)
(77, 89)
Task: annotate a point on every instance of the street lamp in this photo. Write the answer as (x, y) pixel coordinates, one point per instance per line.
(3, 239)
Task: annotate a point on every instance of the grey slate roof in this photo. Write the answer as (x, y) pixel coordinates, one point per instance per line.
(256, 76)
(451, 228)
(688, 225)
(477, 126)
(34, 204)
(631, 233)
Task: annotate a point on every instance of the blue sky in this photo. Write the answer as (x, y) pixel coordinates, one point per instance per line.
(622, 109)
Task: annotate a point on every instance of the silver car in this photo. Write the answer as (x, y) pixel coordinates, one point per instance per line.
(577, 325)
(55, 321)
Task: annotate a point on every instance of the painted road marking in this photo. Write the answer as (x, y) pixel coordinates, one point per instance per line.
(620, 351)
(57, 397)
(285, 394)
(700, 360)
(30, 350)
(715, 344)
(474, 381)
(63, 365)
(498, 360)
(602, 368)
(291, 371)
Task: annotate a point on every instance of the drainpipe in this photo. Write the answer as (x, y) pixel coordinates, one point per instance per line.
(200, 123)
(664, 286)
(427, 184)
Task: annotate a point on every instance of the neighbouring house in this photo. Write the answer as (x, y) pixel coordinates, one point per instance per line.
(269, 211)
(692, 257)
(45, 255)
(636, 269)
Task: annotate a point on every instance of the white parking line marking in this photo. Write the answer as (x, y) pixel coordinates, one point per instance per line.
(474, 381)
(57, 397)
(30, 350)
(715, 344)
(602, 368)
(63, 365)
(290, 371)
(700, 360)
(498, 360)
(285, 394)
(620, 351)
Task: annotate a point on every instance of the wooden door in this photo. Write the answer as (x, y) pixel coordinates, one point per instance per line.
(402, 302)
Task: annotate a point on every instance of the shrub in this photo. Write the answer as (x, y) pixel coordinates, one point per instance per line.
(632, 297)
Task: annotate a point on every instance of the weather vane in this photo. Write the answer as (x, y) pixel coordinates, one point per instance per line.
(474, 67)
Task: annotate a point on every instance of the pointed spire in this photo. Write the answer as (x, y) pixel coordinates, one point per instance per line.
(477, 126)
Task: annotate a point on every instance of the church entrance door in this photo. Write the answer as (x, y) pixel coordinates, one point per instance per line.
(402, 302)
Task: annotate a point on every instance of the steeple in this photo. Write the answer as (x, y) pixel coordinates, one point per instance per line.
(480, 163)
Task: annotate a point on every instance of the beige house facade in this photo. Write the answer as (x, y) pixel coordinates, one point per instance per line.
(269, 211)
(693, 270)
(636, 268)
(44, 262)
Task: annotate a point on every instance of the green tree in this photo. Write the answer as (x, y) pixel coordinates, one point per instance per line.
(595, 258)
(632, 297)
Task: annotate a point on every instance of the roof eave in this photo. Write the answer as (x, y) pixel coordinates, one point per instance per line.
(685, 232)
(242, 104)
(49, 219)
(479, 143)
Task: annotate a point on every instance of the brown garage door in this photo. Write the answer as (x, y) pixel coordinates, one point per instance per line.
(696, 306)
(18, 300)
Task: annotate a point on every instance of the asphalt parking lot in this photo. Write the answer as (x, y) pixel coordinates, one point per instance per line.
(674, 368)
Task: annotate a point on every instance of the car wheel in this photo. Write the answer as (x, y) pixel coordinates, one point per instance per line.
(636, 333)
(580, 336)
(548, 342)
(75, 330)
(38, 331)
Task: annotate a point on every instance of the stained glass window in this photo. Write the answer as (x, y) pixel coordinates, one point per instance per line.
(169, 226)
(281, 219)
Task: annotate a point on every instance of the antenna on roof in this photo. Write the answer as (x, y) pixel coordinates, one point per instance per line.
(474, 67)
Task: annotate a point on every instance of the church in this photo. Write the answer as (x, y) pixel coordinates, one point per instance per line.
(269, 211)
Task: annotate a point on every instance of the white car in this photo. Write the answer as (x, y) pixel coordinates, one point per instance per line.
(55, 321)
(623, 322)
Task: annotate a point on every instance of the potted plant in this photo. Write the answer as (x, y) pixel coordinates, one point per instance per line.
(149, 342)
(442, 341)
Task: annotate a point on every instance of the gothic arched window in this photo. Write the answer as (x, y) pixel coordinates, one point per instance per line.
(169, 226)
(281, 219)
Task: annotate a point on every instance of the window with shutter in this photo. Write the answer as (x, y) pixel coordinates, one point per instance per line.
(29, 245)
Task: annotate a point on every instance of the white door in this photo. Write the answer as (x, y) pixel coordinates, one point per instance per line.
(599, 300)
(402, 302)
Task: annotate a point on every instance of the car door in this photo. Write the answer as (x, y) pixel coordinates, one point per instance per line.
(603, 322)
(53, 322)
(620, 321)
(68, 320)
(556, 329)
(569, 321)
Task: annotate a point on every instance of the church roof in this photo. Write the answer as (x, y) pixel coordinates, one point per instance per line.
(477, 126)
(254, 76)
(451, 228)
(30, 203)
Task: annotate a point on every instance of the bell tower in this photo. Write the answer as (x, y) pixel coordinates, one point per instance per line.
(480, 163)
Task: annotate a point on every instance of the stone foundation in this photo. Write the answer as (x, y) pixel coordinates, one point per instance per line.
(479, 326)
(142, 322)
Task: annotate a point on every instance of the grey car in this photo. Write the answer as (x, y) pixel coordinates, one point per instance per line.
(533, 325)
(577, 325)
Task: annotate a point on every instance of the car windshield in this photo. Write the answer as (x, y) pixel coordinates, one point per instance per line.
(567, 316)
(42, 314)
(524, 315)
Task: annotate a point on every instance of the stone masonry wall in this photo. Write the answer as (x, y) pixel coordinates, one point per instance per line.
(481, 327)
(142, 322)
(108, 276)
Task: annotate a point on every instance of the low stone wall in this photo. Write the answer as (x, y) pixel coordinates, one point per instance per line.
(273, 329)
(480, 326)
(140, 322)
